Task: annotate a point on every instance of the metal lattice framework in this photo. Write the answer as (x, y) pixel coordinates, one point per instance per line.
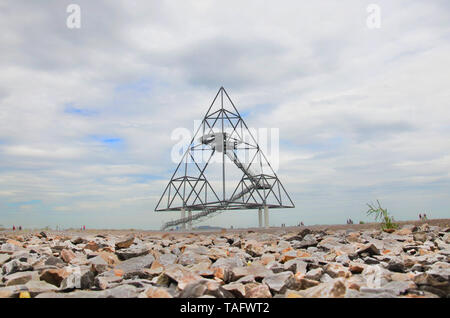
(224, 135)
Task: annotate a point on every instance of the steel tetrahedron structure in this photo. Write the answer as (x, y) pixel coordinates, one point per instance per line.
(222, 146)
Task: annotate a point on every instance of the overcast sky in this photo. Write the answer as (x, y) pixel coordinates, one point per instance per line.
(86, 115)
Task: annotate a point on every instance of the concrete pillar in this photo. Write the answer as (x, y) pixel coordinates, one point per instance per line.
(190, 221)
(183, 215)
(266, 217)
(260, 218)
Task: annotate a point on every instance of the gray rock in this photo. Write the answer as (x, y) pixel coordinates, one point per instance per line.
(10, 248)
(55, 261)
(258, 271)
(78, 240)
(332, 289)
(12, 291)
(133, 251)
(303, 233)
(326, 278)
(343, 259)
(308, 241)
(78, 279)
(417, 268)
(137, 282)
(4, 258)
(36, 287)
(167, 259)
(438, 292)
(45, 251)
(20, 278)
(126, 243)
(205, 287)
(312, 249)
(279, 283)
(337, 270)
(351, 293)
(15, 266)
(435, 280)
(330, 243)
(133, 266)
(201, 250)
(275, 267)
(370, 260)
(237, 289)
(296, 265)
(396, 265)
(315, 274)
(376, 276)
(399, 287)
(74, 294)
(246, 279)
(229, 263)
(98, 264)
(191, 258)
(369, 249)
(108, 281)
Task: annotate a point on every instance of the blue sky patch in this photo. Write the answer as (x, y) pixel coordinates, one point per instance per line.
(146, 178)
(108, 141)
(111, 140)
(19, 203)
(140, 86)
(71, 109)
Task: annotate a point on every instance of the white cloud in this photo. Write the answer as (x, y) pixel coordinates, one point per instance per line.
(363, 114)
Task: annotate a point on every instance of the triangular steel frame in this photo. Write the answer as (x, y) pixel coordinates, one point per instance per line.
(195, 193)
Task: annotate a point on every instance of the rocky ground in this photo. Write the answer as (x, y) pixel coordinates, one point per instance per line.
(285, 262)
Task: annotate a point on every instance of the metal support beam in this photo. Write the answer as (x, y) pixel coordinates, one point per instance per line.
(190, 220)
(258, 186)
(266, 216)
(260, 218)
(183, 215)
